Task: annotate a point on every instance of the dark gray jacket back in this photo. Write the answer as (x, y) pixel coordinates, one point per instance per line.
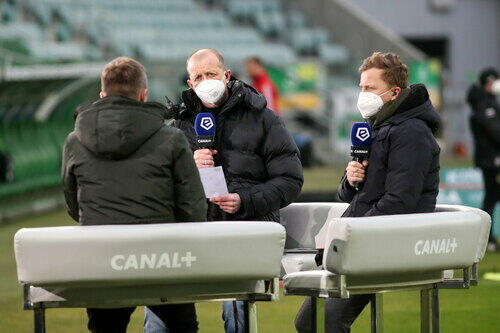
(122, 164)
(259, 157)
(403, 167)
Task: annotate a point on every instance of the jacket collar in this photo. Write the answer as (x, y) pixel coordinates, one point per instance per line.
(416, 105)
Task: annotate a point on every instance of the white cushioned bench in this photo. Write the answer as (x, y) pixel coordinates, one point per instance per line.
(383, 253)
(128, 265)
(305, 223)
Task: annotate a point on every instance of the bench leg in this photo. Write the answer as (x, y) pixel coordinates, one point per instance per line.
(250, 317)
(425, 311)
(435, 310)
(377, 314)
(429, 311)
(39, 320)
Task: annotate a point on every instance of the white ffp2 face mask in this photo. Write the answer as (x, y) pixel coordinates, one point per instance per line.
(496, 87)
(210, 91)
(369, 103)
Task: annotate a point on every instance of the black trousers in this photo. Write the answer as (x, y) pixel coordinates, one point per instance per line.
(179, 318)
(339, 313)
(491, 179)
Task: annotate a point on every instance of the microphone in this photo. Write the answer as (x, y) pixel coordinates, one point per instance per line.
(204, 127)
(361, 139)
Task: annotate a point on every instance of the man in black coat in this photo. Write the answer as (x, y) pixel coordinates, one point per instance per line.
(485, 126)
(259, 158)
(401, 176)
(123, 165)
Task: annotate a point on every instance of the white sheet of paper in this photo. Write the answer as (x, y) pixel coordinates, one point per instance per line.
(214, 182)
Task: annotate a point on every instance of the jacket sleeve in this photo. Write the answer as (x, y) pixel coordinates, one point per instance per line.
(70, 185)
(284, 170)
(346, 191)
(409, 158)
(190, 201)
(488, 119)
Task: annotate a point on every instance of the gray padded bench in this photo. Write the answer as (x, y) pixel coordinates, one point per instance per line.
(382, 254)
(131, 265)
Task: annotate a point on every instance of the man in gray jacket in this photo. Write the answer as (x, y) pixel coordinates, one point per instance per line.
(123, 165)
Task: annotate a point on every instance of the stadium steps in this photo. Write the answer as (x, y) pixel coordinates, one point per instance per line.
(289, 26)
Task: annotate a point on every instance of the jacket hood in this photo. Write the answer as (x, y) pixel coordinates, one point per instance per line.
(417, 105)
(116, 126)
(240, 94)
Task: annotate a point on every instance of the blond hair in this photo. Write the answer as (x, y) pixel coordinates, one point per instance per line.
(395, 72)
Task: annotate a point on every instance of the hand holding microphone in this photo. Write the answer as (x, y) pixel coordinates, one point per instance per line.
(356, 172)
(204, 127)
(361, 140)
(204, 158)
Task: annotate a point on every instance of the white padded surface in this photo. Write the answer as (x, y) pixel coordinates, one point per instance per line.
(148, 254)
(326, 281)
(405, 243)
(305, 221)
(313, 279)
(298, 262)
(485, 226)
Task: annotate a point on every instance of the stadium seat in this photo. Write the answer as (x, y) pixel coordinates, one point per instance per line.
(24, 31)
(296, 19)
(8, 12)
(333, 53)
(41, 12)
(56, 51)
(169, 5)
(270, 23)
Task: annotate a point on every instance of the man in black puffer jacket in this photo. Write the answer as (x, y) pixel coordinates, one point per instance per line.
(123, 165)
(485, 126)
(401, 175)
(259, 158)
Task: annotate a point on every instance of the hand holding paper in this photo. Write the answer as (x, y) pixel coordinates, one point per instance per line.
(230, 203)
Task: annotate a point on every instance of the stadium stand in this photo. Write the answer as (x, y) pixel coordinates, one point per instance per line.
(34, 147)
(55, 32)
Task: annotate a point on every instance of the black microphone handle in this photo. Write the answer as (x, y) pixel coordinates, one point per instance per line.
(359, 159)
